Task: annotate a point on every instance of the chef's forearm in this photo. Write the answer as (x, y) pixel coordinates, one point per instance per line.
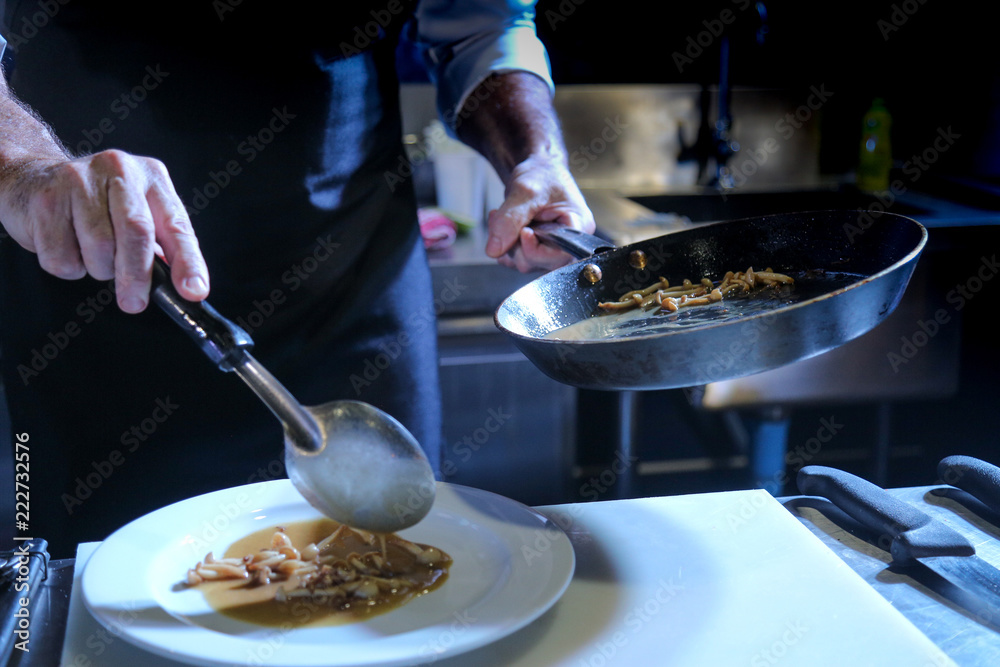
(25, 143)
(510, 118)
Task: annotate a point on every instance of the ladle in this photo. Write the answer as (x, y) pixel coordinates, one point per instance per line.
(350, 460)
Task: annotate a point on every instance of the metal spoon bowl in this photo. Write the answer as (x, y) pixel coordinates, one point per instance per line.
(372, 474)
(350, 460)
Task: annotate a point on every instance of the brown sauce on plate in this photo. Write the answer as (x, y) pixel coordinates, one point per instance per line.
(317, 598)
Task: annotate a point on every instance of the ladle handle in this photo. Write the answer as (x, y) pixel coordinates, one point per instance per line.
(228, 346)
(222, 341)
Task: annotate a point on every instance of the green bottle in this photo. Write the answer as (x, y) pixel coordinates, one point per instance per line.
(875, 160)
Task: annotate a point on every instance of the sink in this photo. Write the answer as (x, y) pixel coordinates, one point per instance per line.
(710, 206)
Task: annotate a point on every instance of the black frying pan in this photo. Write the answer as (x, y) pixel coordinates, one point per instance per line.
(850, 273)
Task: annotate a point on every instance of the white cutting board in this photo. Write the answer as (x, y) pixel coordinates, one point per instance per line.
(703, 580)
(708, 580)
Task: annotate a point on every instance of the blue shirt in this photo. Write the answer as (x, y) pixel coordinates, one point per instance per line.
(466, 42)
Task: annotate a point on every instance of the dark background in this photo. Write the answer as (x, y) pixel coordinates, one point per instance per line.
(935, 69)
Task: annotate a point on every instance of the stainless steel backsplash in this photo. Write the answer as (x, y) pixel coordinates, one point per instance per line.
(629, 137)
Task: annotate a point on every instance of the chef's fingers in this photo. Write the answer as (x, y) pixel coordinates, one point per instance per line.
(517, 211)
(134, 243)
(51, 235)
(176, 236)
(531, 253)
(534, 254)
(91, 219)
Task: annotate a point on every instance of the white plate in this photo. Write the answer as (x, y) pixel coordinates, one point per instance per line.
(510, 565)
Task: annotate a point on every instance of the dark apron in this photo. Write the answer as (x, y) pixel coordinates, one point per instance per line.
(286, 153)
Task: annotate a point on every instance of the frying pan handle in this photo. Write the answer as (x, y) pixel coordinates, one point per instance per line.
(221, 340)
(573, 241)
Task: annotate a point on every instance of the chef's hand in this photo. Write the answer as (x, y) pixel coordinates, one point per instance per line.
(540, 189)
(509, 118)
(104, 215)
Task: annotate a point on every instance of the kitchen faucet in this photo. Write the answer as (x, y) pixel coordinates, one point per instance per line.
(715, 141)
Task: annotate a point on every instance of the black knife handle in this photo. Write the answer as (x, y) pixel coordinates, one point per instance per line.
(222, 341)
(978, 477)
(912, 534)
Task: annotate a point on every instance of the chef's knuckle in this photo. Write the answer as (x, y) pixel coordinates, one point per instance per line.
(101, 243)
(47, 201)
(157, 169)
(178, 224)
(62, 265)
(137, 230)
(69, 176)
(113, 161)
(101, 271)
(525, 189)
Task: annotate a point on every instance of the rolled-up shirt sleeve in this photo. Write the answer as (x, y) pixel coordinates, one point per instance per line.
(463, 42)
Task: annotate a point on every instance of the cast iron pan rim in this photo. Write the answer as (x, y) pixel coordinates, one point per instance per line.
(910, 256)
